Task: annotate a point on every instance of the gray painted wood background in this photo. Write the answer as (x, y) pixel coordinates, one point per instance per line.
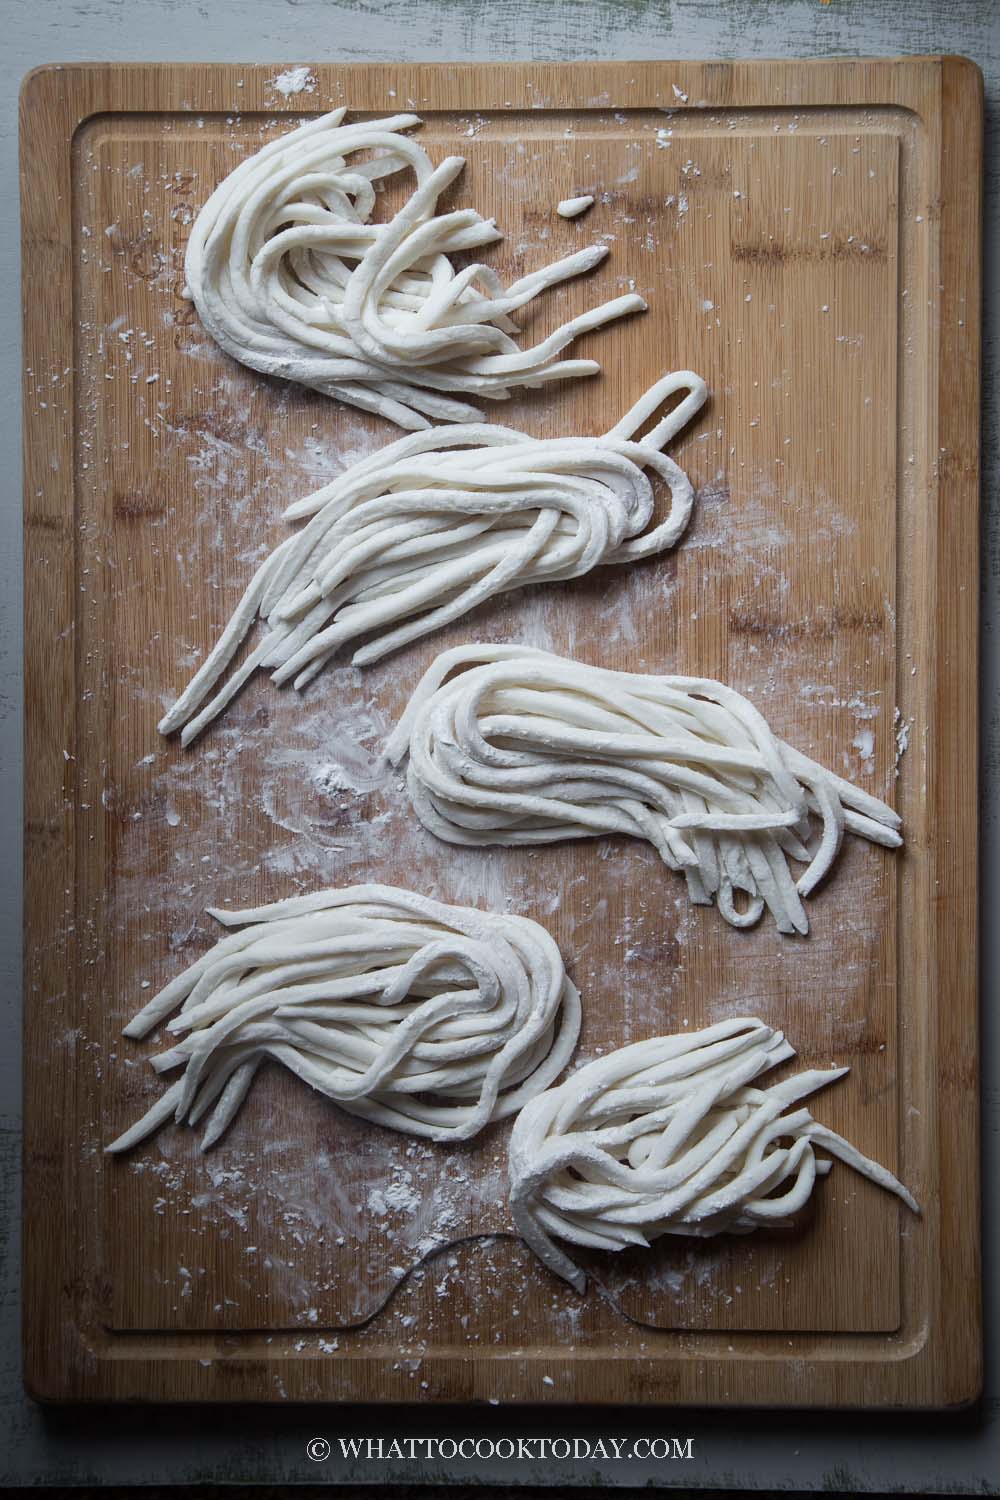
(955, 1455)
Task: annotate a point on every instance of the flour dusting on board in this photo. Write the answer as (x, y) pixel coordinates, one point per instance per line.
(304, 1219)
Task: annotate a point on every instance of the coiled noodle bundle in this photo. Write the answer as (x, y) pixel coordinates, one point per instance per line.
(426, 1018)
(290, 277)
(423, 531)
(530, 748)
(670, 1136)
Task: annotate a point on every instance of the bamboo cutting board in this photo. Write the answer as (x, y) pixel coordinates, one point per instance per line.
(808, 238)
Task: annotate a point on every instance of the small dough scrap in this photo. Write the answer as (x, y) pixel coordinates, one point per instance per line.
(569, 208)
(669, 1136)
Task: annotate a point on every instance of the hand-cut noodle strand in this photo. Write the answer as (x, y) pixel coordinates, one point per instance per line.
(669, 1136)
(290, 277)
(529, 748)
(421, 532)
(429, 1019)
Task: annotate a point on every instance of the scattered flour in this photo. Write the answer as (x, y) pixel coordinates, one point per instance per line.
(295, 81)
(864, 744)
(902, 729)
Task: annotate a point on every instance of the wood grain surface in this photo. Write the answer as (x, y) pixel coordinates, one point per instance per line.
(807, 236)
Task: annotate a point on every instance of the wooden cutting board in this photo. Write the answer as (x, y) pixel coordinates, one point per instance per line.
(807, 236)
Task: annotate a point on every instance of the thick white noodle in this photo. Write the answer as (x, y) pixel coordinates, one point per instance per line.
(669, 1136)
(291, 277)
(418, 534)
(429, 1019)
(525, 747)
